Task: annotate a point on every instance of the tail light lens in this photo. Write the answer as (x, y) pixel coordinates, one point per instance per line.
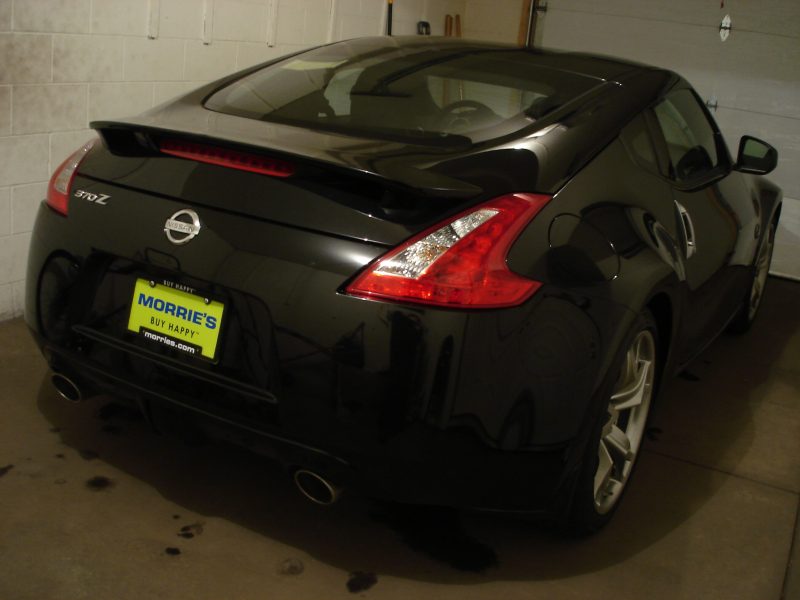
(61, 181)
(458, 263)
(225, 157)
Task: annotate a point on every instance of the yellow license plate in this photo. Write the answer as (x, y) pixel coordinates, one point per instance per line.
(177, 319)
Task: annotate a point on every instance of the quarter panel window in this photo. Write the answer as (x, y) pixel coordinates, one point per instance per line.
(636, 138)
(690, 138)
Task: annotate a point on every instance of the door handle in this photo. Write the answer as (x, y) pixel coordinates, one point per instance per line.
(688, 230)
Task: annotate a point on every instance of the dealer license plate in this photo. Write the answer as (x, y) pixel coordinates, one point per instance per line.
(186, 322)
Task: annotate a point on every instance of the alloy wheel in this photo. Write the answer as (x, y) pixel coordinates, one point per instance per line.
(760, 277)
(623, 431)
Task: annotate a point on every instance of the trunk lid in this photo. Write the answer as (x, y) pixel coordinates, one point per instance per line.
(365, 189)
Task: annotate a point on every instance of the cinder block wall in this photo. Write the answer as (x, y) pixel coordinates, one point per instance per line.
(64, 63)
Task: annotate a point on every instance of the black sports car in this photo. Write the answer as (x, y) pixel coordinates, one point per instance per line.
(437, 271)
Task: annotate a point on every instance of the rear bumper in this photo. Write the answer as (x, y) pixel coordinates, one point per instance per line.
(474, 409)
(419, 465)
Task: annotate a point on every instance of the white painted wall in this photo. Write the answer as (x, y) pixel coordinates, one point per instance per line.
(434, 12)
(64, 63)
(493, 20)
(754, 75)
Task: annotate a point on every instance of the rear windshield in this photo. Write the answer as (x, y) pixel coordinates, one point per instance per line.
(425, 92)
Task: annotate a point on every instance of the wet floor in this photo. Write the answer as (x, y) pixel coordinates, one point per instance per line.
(95, 505)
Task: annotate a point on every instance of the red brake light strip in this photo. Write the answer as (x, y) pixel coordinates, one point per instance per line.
(225, 157)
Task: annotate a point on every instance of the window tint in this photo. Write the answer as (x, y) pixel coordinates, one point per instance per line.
(690, 138)
(636, 138)
(337, 92)
(369, 88)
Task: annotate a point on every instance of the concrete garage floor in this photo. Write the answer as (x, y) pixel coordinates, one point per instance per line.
(90, 501)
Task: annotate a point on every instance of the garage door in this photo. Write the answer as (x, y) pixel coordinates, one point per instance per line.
(751, 80)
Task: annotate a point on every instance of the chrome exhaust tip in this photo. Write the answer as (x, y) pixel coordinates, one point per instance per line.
(66, 387)
(316, 488)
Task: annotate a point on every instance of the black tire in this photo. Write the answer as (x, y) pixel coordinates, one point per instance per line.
(751, 303)
(593, 505)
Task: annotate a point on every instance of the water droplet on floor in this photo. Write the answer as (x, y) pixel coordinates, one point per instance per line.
(191, 530)
(291, 566)
(361, 581)
(88, 454)
(98, 483)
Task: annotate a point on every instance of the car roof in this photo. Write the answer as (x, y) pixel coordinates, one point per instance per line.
(591, 65)
(575, 131)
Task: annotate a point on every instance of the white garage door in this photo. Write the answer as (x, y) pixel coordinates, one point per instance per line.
(753, 76)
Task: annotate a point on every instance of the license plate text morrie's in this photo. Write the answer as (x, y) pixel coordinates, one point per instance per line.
(180, 320)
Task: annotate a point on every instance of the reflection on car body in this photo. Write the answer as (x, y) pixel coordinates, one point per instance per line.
(440, 271)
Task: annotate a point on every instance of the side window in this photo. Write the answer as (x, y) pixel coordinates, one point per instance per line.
(637, 140)
(690, 138)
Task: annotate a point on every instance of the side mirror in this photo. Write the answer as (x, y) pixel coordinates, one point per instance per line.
(755, 156)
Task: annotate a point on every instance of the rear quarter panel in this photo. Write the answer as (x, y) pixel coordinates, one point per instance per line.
(631, 253)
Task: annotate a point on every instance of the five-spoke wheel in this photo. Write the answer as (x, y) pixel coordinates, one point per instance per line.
(752, 301)
(621, 436)
(617, 429)
(763, 261)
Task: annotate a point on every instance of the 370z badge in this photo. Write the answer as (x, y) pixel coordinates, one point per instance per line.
(182, 227)
(96, 198)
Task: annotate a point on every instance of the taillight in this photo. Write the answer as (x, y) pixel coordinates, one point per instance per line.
(225, 157)
(61, 181)
(458, 263)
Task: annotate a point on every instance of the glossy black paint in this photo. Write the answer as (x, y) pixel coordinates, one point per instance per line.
(487, 408)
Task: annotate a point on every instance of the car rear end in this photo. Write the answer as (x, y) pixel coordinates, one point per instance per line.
(319, 296)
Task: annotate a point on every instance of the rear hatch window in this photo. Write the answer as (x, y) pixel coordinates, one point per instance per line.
(419, 94)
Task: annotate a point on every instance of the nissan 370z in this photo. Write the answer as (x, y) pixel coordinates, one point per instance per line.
(435, 271)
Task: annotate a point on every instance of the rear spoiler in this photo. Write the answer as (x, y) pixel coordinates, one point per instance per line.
(136, 137)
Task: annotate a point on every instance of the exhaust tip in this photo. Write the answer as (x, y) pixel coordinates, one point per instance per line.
(66, 387)
(316, 488)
